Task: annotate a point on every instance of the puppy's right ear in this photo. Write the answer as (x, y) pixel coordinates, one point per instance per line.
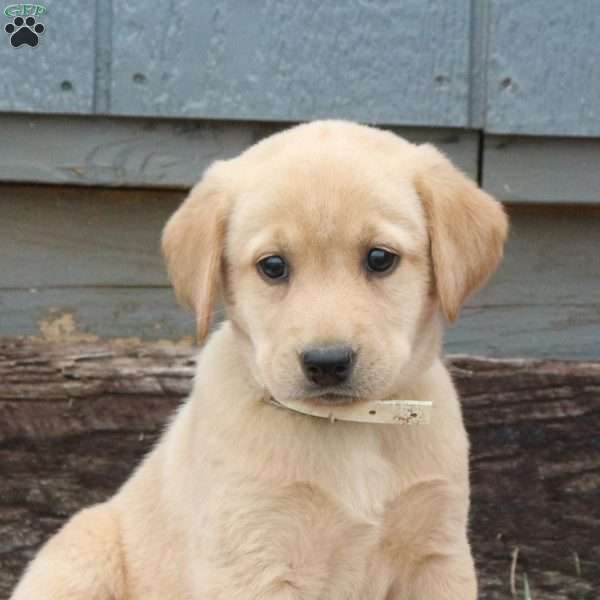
(467, 229)
(192, 242)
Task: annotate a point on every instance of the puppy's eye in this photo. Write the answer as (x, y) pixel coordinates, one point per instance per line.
(380, 260)
(273, 267)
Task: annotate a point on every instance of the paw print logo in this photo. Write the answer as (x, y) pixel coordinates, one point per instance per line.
(24, 31)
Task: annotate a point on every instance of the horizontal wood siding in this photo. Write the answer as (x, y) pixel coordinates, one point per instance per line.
(79, 263)
(534, 169)
(155, 153)
(73, 237)
(173, 153)
(92, 312)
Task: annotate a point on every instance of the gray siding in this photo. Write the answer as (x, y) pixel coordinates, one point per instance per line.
(526, 169)
(386, 62)
(545, 298)
(72, 239)
(154, 153)
(505, 66)
(58, 76)
(485, 80)
(173, 153)
(544, 67)
(80, 263)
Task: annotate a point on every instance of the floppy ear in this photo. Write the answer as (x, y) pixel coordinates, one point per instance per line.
(467, 229)
(192, 242)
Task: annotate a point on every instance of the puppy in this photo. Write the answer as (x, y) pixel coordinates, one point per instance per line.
(338, 250)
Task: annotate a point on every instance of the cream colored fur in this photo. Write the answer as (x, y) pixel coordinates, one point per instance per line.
(241, 500)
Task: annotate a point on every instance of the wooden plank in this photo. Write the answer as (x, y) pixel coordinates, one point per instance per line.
(286, 60)
(551, 258)
(570, 331)
(91, 265)
(544, 68)
(117, 152)
(75, 419)
(532, 329)
(89, 313)
(545, 299)
(65, 237)
(56, 76)
(154, 152)
(533, 169)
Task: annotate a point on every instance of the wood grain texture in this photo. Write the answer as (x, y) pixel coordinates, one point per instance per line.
(119, 152)
(76, 418)
(57, 76)
(383, 62)
(535, 472)
(543, 68)
(157, 153)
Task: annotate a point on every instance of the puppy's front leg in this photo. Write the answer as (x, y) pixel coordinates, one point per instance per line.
(427, 541)
(292, 543)
(81, 562)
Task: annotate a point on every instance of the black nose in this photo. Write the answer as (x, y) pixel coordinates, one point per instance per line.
(328, 365)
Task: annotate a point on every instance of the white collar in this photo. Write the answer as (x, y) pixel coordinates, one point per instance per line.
(396, 412)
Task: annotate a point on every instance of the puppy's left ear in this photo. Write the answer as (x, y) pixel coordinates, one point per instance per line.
(193, 241)
(467, 229)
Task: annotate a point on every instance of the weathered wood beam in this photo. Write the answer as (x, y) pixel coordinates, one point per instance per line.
(76, 418)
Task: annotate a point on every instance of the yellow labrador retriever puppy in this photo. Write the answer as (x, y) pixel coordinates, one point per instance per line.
(337, 250)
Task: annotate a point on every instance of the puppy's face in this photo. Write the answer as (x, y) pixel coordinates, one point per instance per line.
(333, 246)
(329, 277)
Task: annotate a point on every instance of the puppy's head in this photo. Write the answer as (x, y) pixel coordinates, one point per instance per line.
(334, 245)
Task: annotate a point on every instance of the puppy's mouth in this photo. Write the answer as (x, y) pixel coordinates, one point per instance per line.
(332, 397)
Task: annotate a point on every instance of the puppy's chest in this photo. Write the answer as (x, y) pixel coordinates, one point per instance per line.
(351, 532)
(319, 525)
(363, 483)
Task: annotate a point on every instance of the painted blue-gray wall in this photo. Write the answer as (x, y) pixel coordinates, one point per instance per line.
(543, 67)
(387, 62)
(145, 94)
(505, 66)
(57, 76)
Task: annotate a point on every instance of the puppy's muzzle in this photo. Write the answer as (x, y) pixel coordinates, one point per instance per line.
(328, 365)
